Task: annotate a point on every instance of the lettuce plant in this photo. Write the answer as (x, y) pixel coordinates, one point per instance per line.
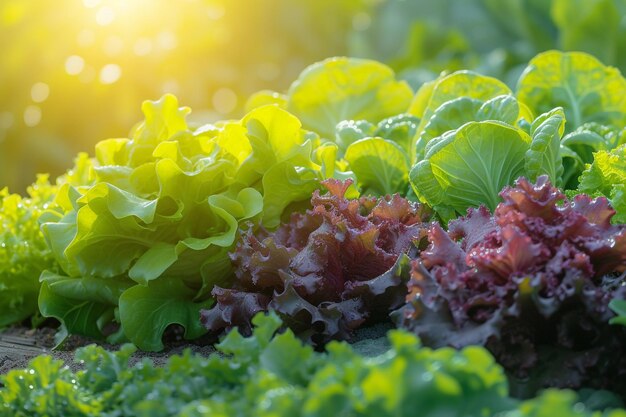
(606, 176)
(327, 271)
(341, 88)
(532, 283)
(587, 90)
(379, 155)
(23, 251)
(592, 96)
(469, 166)
(328, 92)
(143, 244)
(274, 375)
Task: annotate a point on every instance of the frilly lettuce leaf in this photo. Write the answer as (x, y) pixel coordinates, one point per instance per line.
(587, 90)
(606, 176)
(327, 271)
(532, 283)
(342, 88)
(23, 251)
(166, 205)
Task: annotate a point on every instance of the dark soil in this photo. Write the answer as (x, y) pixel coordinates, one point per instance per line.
(19, 344)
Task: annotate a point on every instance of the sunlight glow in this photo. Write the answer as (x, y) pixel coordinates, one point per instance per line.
(110, 73)
(74, 65)
(105, 16)
(40, 92)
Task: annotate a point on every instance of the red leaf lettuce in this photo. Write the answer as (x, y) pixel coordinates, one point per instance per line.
(532, 283)
(327, 271)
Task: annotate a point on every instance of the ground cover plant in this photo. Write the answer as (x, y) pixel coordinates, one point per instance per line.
(482, 217)
(264, 375)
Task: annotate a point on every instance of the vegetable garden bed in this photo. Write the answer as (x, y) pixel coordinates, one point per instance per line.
(486, 223)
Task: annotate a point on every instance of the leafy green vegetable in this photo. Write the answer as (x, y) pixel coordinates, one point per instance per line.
(587, 90)
(144, 243)
(544, 155)
(606, 176)
(379, 155)
(469, 166)
(342, 88)
(276, 376)
(23, 252)
(619, 307)
(380, 166)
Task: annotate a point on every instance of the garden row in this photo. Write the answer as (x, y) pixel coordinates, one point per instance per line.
(473, 214)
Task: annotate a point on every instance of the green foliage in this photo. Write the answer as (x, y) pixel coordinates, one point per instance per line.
(587, 90)
(379, 155)
(472, 142)
(619, 307)
(145, 241)
(606, 176)
(23, 251)
(266, 375)
(346, 88)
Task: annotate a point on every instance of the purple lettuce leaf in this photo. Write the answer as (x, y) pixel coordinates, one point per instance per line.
(340, 265)
(534, 278)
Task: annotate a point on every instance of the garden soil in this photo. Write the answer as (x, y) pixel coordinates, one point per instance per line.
(18, 345)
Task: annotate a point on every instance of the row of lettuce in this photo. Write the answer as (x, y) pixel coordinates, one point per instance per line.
(275, 376)
(206, 226)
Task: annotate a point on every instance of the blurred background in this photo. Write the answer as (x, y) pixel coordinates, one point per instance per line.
(73, 72)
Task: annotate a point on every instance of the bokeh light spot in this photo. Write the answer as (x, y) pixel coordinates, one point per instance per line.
(215, 11)
(32, 115)
(110, 73)
(74, 65)
(113, 45)
(142, 47)
(167, 40)
(224, 100)
(105, 16)
(39, 92)
(90, 4)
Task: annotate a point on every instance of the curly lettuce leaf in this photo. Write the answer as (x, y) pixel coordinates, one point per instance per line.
(167, 205)
(606, 176)
(326, 272)
(342, 88)
(587, 90)
(23, 251)
(532, 283)
(272, 374)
